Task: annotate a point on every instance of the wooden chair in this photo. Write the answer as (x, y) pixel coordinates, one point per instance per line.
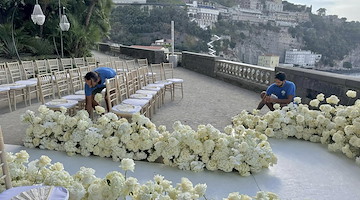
(105, 64)
(46, 90)
(4, 90)
(155, 72)
(17, 89)
(124, 85)
(28, 70)
(131, 64)
(120, 67)
(113, 97)
(168, 74)
(41, 66)
(62, 80)
(79, 62)
(17, 77)
(142, 62)
(53, 65)
(76, 81)
(3, 163)
(66, 63)
(90, 61)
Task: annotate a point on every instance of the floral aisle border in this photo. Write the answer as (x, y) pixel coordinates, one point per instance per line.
(85, 185)
(239, 150)
(338, 126)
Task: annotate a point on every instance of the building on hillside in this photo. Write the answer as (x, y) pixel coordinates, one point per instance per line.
(204, 15)
(274, 6)
(252, 16)
(268, 61)
(306, 59)
(162, 42)
(129, 1)
(251, 4)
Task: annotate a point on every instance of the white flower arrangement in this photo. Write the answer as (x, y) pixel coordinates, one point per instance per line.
(337, 126)
(98, 98)
(84, 185)
(184, 148)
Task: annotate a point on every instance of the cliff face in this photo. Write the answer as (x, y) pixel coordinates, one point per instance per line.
(263, 42)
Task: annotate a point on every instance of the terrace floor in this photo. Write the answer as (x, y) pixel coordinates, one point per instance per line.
(304, 171)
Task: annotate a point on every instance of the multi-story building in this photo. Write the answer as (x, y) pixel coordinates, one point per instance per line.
(301, 58)
(268, 61)
(274, 6)
(204, 15)
(251, 4)
(252, 16)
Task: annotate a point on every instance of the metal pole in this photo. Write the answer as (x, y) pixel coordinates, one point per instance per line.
(61, 39)
(172, 38)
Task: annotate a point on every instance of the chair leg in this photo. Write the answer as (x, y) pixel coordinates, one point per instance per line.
(14, 99)
(9, 100)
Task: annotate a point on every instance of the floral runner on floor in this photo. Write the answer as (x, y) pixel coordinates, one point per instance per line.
(243, 147)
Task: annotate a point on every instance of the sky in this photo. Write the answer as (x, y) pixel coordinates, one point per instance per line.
(343, 8)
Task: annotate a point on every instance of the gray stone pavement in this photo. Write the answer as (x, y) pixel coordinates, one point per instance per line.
(206, 101)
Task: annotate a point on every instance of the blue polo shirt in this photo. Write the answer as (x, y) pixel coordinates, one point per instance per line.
(104, 73)
(282, 92)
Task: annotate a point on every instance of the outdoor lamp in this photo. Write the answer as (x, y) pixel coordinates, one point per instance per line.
(64, 23)
(38, 16)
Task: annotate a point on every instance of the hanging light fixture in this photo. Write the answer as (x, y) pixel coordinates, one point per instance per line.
(64, 22)
(38, 16)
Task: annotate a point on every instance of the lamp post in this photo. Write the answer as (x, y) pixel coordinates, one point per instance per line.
(64, 26)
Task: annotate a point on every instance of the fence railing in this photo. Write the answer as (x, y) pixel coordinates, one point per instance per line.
(251, 73)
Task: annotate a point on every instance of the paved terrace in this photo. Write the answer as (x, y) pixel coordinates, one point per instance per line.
(304, 170)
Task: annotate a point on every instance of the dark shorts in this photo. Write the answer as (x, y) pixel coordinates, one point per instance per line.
(97, 90)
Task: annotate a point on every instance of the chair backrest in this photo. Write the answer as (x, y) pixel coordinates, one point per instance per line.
(3, 163)
(111, 92)
(103, 59)
(156, 71)
(168, 71)
(83, 71)
(92, 67)
(28, 69)
(66, 63)
(53, 65)
(41, 66)
(14, 71)
(105, 64)
(4, 79)
(131, 64)
(122, 87)
(132, 82)
(90, 61)
(79, 62)
(142, 62)
(120, 67)
(62, 83)
(76, 81)
(113, 59)
(143, 79)
(46, 87)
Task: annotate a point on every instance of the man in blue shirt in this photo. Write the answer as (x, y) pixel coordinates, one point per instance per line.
(281, 92)
(95, 83)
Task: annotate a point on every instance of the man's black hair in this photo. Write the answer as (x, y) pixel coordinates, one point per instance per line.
(281, 76)
(91, 75)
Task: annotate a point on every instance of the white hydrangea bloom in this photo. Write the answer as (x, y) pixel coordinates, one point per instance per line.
(99, 110)
(351, 93)
(127, 164)
(297, 100)
(98, 98)
(320, 97)
(314, 103)
(333, 99)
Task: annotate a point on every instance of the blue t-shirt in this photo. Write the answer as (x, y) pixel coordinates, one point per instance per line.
(282, 92)
(104, 73)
